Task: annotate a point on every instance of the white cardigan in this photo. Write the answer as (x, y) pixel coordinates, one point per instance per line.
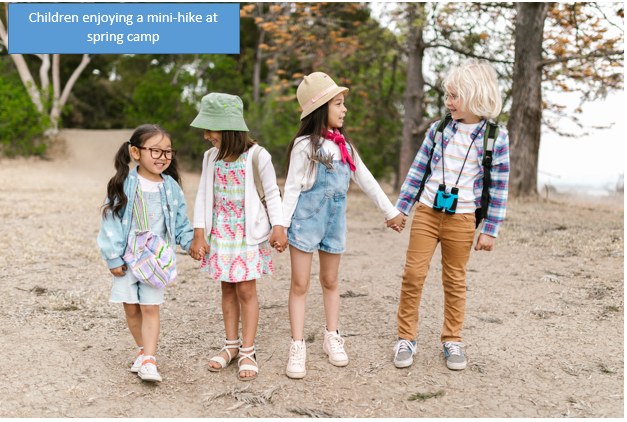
(258, 226)
(300, 179)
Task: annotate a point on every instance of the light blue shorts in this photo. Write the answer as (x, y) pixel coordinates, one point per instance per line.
(127, 289)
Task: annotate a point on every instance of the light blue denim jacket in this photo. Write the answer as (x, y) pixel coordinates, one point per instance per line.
(114, 231)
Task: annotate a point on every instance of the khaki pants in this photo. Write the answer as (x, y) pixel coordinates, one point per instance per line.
(456, 234)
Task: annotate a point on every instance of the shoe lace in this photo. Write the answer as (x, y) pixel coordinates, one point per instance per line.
(296, 354)
(404, 346)
(336, 343)
(453, 348)
(149, 368)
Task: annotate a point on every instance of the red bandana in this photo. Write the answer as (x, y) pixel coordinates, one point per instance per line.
(338, 138)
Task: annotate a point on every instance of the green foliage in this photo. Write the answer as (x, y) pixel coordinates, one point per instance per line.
(128, 90)
(21, 126)
(273, 124)
(156, 99)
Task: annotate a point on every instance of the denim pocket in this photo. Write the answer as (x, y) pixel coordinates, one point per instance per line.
(308, 206)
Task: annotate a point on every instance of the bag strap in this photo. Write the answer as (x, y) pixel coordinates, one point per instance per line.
(257, 176)
(139, 209)
(491, 134)
(439, 133)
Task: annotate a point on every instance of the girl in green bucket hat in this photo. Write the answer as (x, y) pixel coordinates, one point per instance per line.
(233, 229)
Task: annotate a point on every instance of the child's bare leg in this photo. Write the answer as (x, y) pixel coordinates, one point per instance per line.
(134, 321)
(230, 314)
(329, 267)
(301, 269)
(150, 328)
(247, 296)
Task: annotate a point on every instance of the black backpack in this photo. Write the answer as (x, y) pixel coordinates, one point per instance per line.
(489, 138)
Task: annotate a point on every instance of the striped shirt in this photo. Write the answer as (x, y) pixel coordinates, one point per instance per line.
(455, 165)
(499, 173)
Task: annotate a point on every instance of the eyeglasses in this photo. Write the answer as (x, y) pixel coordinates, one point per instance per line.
(157, 153)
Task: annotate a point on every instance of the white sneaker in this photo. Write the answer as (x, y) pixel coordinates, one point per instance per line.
(148, 370)
(296, 361)
(138, 361)
(333, 346)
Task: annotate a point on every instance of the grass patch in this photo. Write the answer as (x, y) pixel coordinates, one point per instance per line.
(426, 396)
(350, 293)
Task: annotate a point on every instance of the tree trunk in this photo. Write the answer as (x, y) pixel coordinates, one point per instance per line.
(525, 119)
(258, 58)
(414, 91)
(257, 68)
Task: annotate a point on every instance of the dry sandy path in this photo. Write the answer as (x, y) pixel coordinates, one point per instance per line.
(544, 325)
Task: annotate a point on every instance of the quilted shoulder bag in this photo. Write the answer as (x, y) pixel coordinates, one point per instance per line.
(150, 258)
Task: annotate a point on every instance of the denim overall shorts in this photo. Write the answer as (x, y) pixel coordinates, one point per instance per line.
(319, 220)
(127, 289)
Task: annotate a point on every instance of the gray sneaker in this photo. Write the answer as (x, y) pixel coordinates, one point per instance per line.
(404, 352)
(454, 355)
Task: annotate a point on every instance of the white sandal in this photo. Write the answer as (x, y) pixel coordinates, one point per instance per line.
(228, 344)
(247, 353)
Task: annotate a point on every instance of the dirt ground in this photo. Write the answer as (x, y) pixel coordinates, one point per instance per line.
(544, 324)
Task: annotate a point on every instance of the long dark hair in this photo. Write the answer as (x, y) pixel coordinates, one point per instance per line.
(116, 198)
(314, 125)
(234, 142)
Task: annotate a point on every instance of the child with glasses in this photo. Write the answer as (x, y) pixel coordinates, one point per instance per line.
(456, 166)
(155, 182)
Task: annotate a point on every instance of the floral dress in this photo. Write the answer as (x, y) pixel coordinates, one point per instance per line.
(230, 258)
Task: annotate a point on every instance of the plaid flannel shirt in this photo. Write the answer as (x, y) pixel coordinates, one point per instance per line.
(499, 173)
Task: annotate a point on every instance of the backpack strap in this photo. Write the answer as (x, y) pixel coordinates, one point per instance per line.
(489, 138)
(257, 177)
(439, 133)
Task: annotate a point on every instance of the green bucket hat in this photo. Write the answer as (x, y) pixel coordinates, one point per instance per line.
(221, 112)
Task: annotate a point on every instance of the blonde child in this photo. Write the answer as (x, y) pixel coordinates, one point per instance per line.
(231, 226)
(472, 97)
(157, 179)
(322, 161)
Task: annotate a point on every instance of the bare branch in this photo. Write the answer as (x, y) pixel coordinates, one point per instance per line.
(44, 69)
(56, 79)
(596, 6)
(596, 54)
(72, 80)
(467, 53)
(28, 81)
(4, 36)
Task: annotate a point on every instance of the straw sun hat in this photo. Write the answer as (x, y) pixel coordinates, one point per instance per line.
(220, 112)
(315, 90)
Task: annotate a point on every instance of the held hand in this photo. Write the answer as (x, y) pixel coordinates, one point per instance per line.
(278, 238)
(397, 223)
(485, 242)
(198, 248)
(119, 271)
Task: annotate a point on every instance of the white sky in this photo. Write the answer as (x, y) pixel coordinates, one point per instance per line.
(593, 162)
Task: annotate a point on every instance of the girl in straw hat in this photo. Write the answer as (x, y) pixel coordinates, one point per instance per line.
(232, 227)
(322, 161)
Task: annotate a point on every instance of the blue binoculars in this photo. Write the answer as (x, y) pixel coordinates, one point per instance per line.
(444, 201)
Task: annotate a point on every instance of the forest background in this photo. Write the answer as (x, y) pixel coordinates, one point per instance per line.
(393, 56)
(555, 281)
